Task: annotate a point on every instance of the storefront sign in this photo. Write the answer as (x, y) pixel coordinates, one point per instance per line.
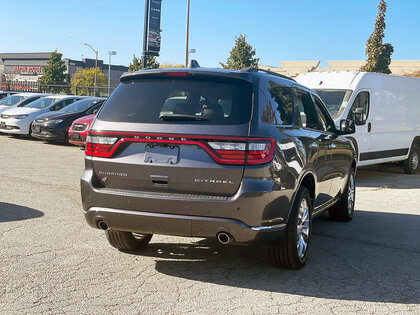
(27, 69)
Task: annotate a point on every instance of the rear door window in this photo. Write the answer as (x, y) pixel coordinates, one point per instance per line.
(278, 109)
(185, 101)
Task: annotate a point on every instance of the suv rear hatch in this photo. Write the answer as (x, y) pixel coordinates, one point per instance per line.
(175, 132)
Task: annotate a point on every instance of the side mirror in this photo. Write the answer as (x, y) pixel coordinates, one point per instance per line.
(347, 127)
(358, 116)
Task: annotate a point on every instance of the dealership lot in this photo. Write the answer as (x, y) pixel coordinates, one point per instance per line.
(51, 261)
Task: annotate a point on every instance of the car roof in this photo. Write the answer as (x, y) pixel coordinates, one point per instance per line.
(58, 96)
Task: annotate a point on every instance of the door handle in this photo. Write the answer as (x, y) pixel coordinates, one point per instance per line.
(369, 127)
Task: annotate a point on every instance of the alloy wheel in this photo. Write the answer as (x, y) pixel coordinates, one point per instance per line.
(350, 195)
(302, 228)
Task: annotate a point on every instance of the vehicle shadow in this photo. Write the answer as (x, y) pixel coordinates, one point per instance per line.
(374, 258)
(11, 212)
(386, 176)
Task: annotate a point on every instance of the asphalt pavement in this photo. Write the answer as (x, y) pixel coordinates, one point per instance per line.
(52, 262)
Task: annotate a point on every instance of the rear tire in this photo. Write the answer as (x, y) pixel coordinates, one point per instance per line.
(292, 252)
(411, 165)
(127, 240)
(344, 209)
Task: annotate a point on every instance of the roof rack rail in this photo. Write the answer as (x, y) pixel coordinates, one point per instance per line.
(254, 69)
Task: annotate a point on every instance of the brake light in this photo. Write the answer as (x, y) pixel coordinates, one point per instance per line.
(240, 153)
(99, 145)
(223, 150)
(176, 74)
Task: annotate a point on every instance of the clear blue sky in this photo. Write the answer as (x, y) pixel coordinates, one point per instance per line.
(278, 29)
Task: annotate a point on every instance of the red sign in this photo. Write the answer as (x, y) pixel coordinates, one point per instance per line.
(27, 69)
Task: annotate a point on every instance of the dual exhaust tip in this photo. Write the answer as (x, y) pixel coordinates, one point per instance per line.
(223, 237)
(103, 225)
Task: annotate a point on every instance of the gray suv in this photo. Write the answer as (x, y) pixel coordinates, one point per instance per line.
(242, 156)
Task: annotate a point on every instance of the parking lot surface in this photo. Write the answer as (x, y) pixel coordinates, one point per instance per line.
(52, 262)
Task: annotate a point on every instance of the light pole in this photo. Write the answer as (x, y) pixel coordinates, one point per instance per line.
(187, 34)
(96, 64)
(110, 53)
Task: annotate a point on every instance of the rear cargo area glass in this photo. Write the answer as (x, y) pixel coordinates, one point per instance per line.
(180, 101)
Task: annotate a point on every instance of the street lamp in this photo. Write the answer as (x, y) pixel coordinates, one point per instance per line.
(96, 63)
(187, 34)
(110, 53)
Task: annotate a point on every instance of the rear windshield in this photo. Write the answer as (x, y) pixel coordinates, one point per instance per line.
(12, 100)
(179, 100)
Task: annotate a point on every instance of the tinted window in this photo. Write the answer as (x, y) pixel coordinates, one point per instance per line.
(198, 101)
(359, 110)
(325, 123)
(306, 110)
(81, 106)
(279, 107)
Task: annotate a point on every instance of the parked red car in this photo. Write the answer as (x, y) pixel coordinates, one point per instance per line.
(78, 130)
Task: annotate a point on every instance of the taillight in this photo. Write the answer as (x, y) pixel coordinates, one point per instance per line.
(243, 152)
(223, 150)
(99, 145)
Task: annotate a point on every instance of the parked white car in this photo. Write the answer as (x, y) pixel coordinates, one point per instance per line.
(17, 100)
(385, 108)
(18, 120)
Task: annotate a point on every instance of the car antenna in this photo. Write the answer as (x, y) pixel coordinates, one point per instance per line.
(194, 64)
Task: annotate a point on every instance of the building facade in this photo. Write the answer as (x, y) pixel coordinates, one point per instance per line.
(27, 67)
(294, 68)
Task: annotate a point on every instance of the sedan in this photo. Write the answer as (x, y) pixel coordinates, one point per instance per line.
(54, 126)
(18, 120)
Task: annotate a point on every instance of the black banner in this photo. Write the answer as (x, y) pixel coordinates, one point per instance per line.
(153, 27)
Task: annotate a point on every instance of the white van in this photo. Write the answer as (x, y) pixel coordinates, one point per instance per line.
(385, 109)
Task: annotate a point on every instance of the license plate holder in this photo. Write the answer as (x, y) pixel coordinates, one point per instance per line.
(2, 125)
(161, 154)
(37, 129)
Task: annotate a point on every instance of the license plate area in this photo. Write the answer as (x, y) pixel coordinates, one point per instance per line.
(37, 129)
(161, 154)
(2, 125)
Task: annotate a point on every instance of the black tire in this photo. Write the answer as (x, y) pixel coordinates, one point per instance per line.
(411, 165)
(127, 240)
(285, 253)
(343, 210)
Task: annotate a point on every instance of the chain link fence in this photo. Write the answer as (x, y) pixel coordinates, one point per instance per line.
(26, 86)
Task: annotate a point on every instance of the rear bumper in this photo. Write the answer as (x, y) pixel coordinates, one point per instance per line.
(257, 212)
(181, 225)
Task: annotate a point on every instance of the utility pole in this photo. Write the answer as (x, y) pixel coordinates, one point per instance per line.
(110, 53)
(145, 33)
(187, 34)
(96, 65)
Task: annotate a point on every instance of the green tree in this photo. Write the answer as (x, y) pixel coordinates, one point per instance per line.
(83, 81)
(54, 74)
(378, 54)
(135, 65)
(241, 55)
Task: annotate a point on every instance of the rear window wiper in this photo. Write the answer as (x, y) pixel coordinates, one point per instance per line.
(167, 117)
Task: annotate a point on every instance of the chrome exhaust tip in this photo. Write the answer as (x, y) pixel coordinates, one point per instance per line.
(224, 238)
(103, 226)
